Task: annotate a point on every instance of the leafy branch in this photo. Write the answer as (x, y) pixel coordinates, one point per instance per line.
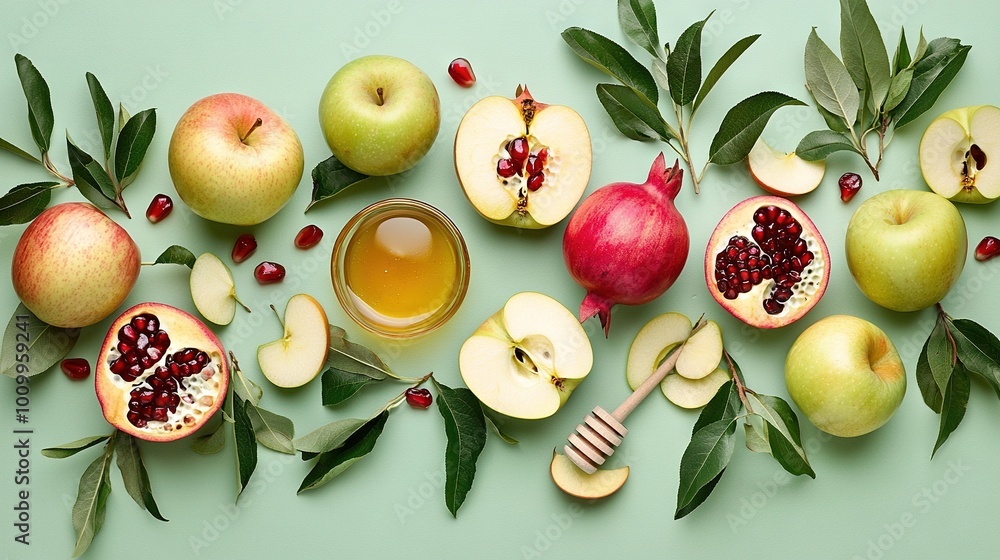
(633, 105)
(866, 93)
(770, 426)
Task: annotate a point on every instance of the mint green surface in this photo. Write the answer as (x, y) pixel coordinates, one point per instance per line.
(877, 496)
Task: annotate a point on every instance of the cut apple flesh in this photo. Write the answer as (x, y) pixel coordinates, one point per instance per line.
(702, 353)
(956, 154)
(298, 356)
(526, 359)
(538, 183)
(693, 393)
(213, 290)
(652, 344)
(577, 483)
(781, 173)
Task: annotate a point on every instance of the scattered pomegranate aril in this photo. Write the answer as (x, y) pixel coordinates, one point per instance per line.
(75, 368)
(159, 208)
(269, 272)
(308, 237)
(461, 71)
(245, 245)
(418, 398)
(988, 248)
(850, 184)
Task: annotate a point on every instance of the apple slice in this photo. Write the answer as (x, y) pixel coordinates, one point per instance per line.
(783, 174)
(213, 290)
(702, 353)
(527, 358)
(522, 163)
(693, 393)
(956, 151)
(652, 344)
(573, 481)
(298, 356)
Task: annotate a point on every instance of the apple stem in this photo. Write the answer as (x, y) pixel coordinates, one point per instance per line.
(253, 127)
(381, 96)
(244, 306)
(276, 314)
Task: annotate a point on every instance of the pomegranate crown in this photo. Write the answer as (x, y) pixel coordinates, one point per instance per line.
(665, 181)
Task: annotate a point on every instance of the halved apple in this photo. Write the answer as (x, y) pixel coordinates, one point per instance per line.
(299, 355)
(213, 290)
(693, 393)
(573, 481)
(652, 344)
(702, 352)
(783, 174)
(956, 153)
(527, 358)
(522, 163)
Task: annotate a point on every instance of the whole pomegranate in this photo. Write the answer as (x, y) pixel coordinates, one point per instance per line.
(73, 265)
(627, 243)
(161, 373)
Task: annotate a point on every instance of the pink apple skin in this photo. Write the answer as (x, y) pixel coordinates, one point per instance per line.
(226, 179)
(73, 265)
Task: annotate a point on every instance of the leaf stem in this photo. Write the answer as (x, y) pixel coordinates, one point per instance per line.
(741, 390)
(51, 168)
(943, 317)
(685, 151)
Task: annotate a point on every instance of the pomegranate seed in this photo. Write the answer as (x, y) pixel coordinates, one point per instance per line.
(518, 150)
(988, 248)
(245, 245)
(535, 181)
(308, 237)
(418, 398)
(75, 368)
(159, 208)
(269, 272)
(506, 168)
(461, 71)
(850, 184)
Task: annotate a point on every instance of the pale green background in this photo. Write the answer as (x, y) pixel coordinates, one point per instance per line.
(167, 55)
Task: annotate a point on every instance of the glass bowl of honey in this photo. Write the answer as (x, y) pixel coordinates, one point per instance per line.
(400, 268)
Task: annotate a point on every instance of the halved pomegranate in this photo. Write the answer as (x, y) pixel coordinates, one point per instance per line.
(161, 373)
(766, 262)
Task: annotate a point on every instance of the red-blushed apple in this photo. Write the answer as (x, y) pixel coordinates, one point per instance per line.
(73, 265)
(299, 355)
(845, 375)
(957, 154)
(783, 174)
(233, 160)
(380, 114)
(587, 486)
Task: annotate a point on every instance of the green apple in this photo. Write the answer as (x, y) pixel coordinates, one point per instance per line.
(957, 154)
(380, 115)
(527, 358)
(906, 248)
(845, 375)
(233, 160)
(213, 290)
(300, 354)
(73, 265)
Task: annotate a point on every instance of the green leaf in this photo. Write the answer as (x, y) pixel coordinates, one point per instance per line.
(705, 457)
(721, 66)
(212, 442)
(925, 381)
(921, 51)
(354, 358)
(246, 442)
(699, 496)
(742, 125)
(978, 350)
(755, 439)
(8, 147)
(123, 116)
(91, 500)
(340, 385)
(273, 431)
(612, 59)
(246, 388)
(31, 346)
(465, 427)
(725, 405)
(331, 463)
(901, 59)
(133, 141)
(684, 64)
(781, 429)
(939, 356)
(954, 403)
(330, 177)
(931, 75)
(36, 91)
(105, 113)
(638, 21)
(829, 81)
(73, 447)
(24, 203)
(496, 429)
(329, 436)
(898, 86)
(635, 116)
(175, 254)
(864, 51)
(90, 177)
(834, 122)
(819, 144)
(134, 474)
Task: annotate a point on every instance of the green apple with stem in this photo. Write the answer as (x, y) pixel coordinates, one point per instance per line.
(380, 114)
(845, 375)
(213, 290)
(300, 354)
(906, 248)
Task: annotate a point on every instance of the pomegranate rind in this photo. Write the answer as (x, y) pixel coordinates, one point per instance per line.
(748, 307)
(185, 330)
